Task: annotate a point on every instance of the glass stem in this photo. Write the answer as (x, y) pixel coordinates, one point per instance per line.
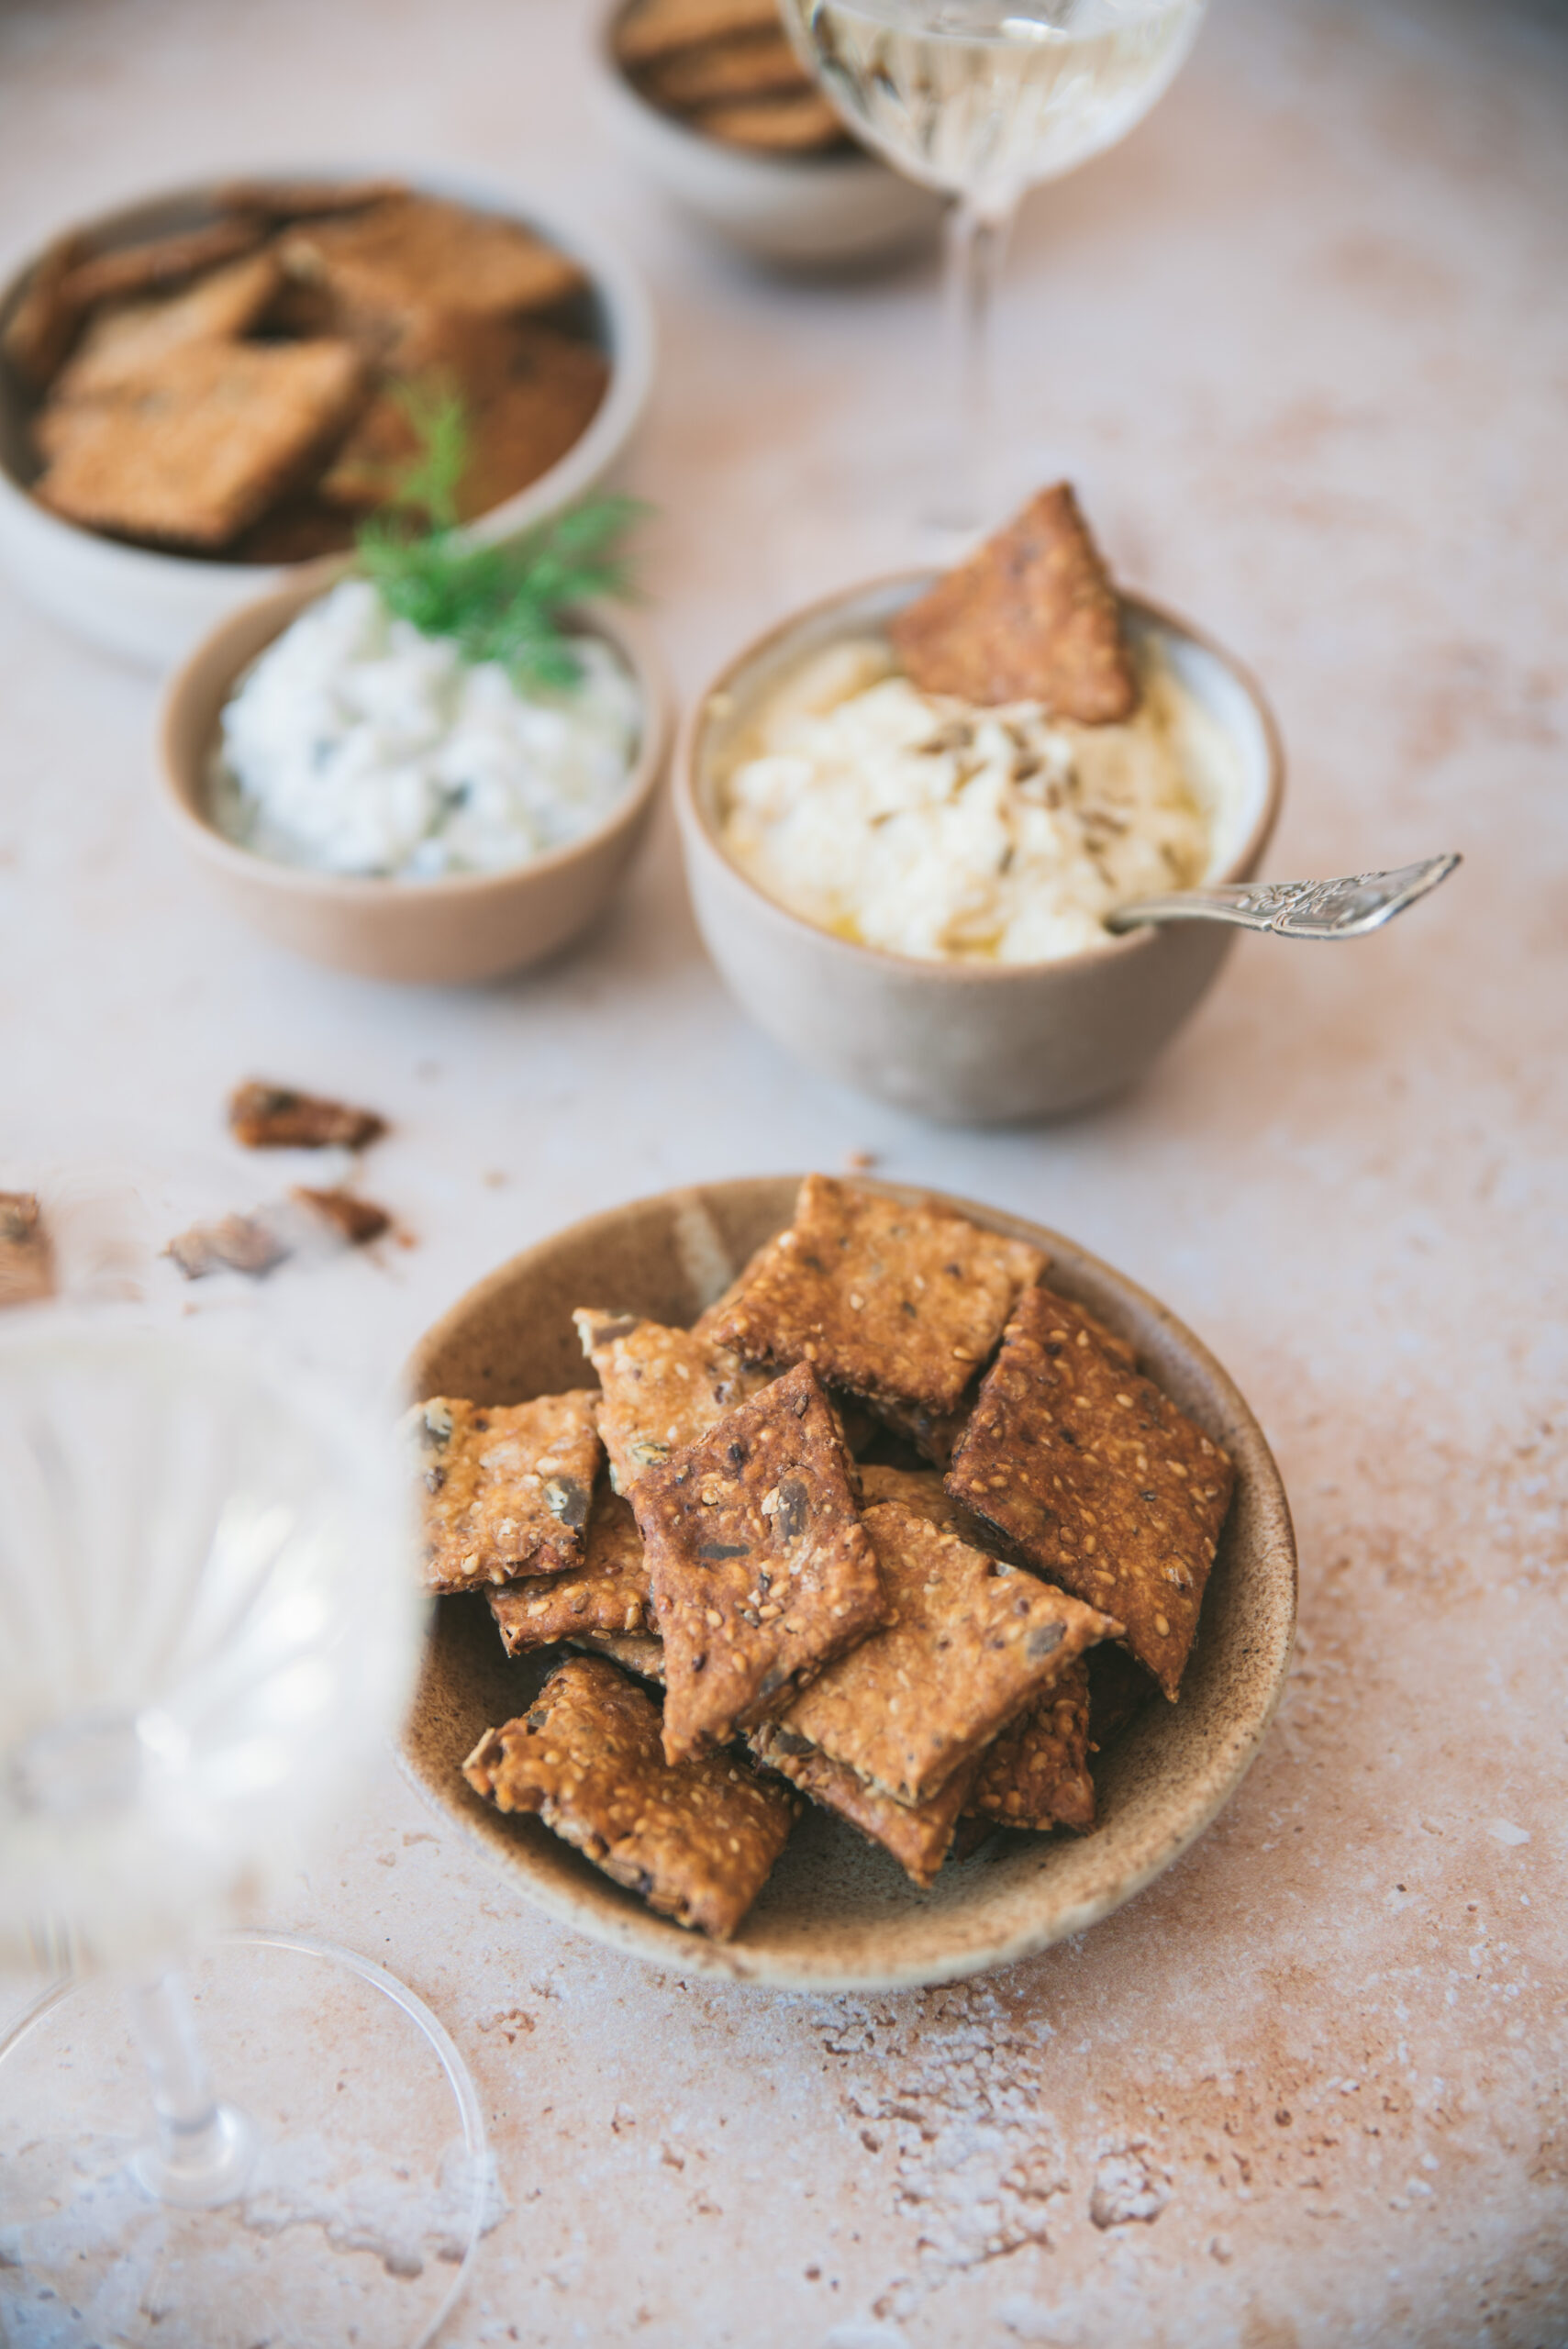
(202, 2149)
(977, 244)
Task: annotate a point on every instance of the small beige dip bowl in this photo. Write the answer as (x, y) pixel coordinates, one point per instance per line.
(440, 933)
(838, 1913)
(970, 1043)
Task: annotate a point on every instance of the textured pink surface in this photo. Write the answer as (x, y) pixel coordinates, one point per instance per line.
(1301, 345)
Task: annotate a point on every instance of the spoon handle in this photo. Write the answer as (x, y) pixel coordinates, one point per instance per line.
(1344, 908)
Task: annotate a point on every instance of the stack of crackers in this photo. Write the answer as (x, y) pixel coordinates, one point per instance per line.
(234, 388)
(725, 69)
(758, 1614)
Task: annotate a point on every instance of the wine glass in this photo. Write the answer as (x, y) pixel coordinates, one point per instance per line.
(983, 99)
(209, 1622)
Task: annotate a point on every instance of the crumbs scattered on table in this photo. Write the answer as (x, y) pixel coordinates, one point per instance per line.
(236, 1243)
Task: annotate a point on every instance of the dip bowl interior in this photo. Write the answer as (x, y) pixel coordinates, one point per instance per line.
(444, 932)
(152, 607)
(965, 1042)
(838, 1913)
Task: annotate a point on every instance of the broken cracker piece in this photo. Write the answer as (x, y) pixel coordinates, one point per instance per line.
(919, 1835)
(357, 1220)
(1096, 1478)
(236, 1244)
(1032, 616)
(27, 1260)
(888, 1299)
(275, 1116)
(120, 344)
(970, 1642)
(1036, 1772)
(663, 1388)
(697, 1839)
(761, 1572)
(202, 441)
(507, 1486)
(609, 1592)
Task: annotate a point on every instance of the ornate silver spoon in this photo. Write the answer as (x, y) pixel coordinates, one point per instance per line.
(1344, 908)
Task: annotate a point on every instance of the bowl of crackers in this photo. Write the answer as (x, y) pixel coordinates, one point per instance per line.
(841, 1587)
(907, 812)
(204, 389)
(710, 99)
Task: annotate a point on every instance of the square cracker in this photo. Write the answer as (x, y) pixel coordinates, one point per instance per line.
(507, 1486)
(762, 1571)
(655, 29)
(1030, 617)
(1096, 1478)
(204, 441)
(415, 254)
(970, 1642)
(608, 1592)
(889, 1300)
(919, 1835)
(1035, 1773)
(663, 1388)
(696, 1839)
(121, 343)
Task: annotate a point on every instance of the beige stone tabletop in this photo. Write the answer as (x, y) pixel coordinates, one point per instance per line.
(1303, 344)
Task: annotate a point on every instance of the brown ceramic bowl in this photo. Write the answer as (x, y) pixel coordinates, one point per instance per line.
(838, 1913)
(966, 1043)
(446, 933)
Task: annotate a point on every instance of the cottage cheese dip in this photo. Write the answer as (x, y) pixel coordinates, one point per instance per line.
(926, 827)
(356, 745)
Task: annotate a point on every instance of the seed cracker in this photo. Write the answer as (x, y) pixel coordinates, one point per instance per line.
(919, 1835)
(416, 254)
(160, 261)
(1032, 616)
(636, 1651)
(1035, 1773)
(971, 1641)
(922, 1491)
(38, 334)
(508, 1488)
(663, 1388)
(275, 1117)
(609, 1592)
(760, 65)
(889, 1300)
(761, 1572)
(122, 342)
(202, 443)
(1097, 1479)
(788, 125)
(697, 1840)
(656, 29)
(27, 1260)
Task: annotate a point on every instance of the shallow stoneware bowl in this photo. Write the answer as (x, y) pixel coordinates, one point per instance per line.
(838, 1913)
(842, 211)
(970, 1043)
(444, 933)
(151, 606)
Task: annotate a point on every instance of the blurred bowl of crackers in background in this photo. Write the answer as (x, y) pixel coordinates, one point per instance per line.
(204, 390)
(710, 99)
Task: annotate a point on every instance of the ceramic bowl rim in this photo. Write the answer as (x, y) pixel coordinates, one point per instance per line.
(181, 798)
(585, 1906)
(695, 823)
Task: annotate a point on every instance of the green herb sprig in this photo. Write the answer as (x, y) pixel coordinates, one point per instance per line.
(502, 603)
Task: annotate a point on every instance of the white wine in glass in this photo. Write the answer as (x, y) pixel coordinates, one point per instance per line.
(983, 99)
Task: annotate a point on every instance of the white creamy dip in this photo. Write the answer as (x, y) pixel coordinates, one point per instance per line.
(926, 827)
(357, 745)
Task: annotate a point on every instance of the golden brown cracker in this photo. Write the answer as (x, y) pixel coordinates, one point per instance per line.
(970, 1641)
(663, 1388)
(122, 342)
(760, 1570)
(697, 1840)
(1036, 1772)
(788, 125)
(922, 1491)
(635, 1650)
(1032, 616)
(1096, 1478)
(160, 261)
(507, 1487)
(887, 1299)
(657, 29)
(919, 1835)
(413, 255)
(609, 1592)
(42, 322)
(201, 443)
